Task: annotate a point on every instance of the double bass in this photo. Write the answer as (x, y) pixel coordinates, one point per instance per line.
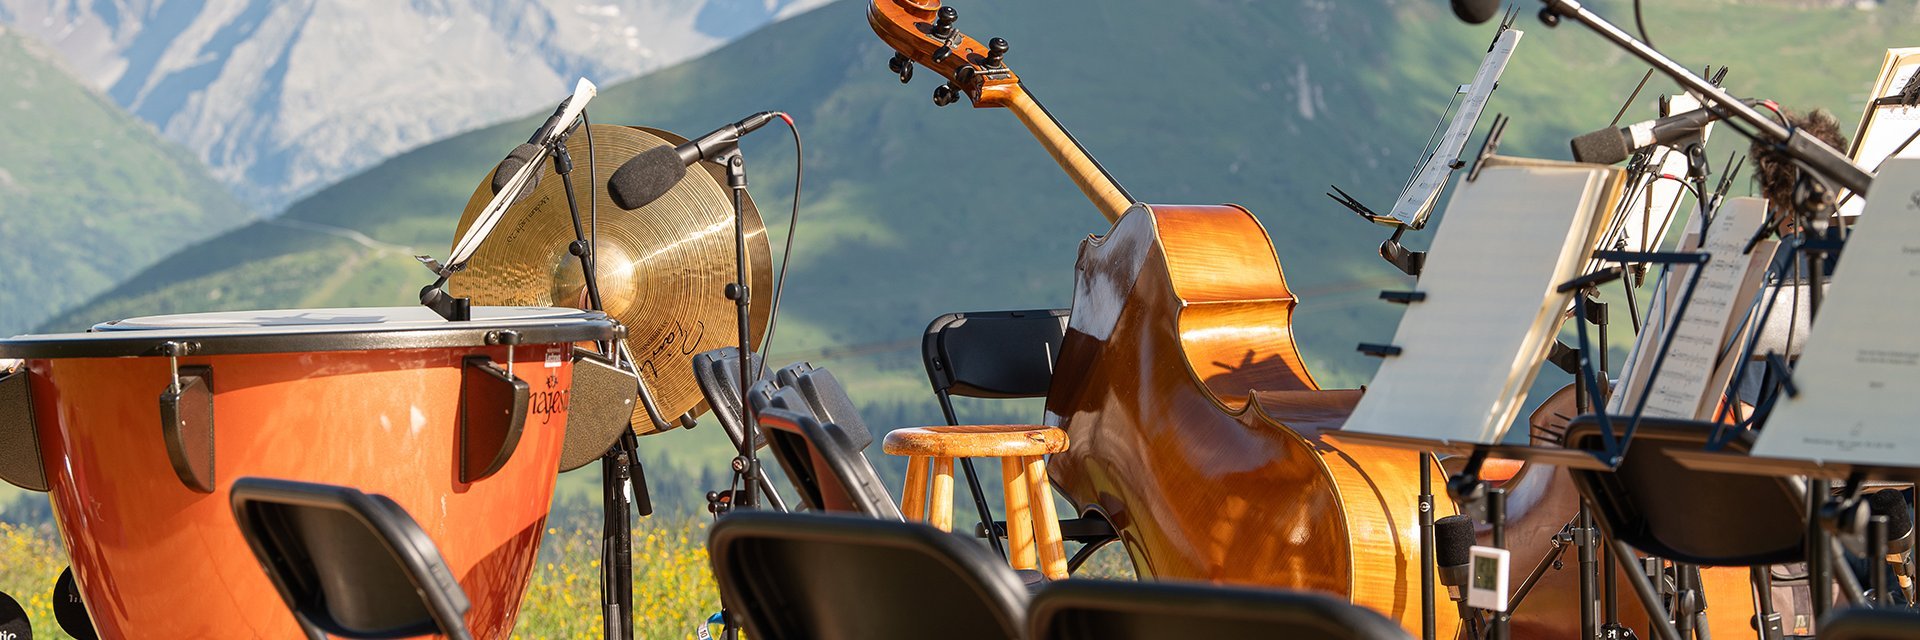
(1197, 430)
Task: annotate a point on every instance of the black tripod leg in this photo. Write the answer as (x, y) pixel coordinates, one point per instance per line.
(616, 547)
(1769, 620)
(1657, 616)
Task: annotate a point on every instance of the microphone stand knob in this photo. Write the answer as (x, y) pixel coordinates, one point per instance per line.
(1549, 17)
(943, 24)
(996, 53)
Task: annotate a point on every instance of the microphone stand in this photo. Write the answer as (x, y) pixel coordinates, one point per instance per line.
(747, 466)
(1816, 155)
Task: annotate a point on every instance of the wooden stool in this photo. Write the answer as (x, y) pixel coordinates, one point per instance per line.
(1022, 471)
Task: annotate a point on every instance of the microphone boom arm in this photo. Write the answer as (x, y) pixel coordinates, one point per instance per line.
(1816, 155)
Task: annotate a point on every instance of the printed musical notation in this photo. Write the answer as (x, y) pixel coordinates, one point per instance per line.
(1417, 200)
(1860, 374)
(1704, 339)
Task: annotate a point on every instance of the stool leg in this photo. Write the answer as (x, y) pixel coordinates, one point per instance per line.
(942, 516)
(913, 501)
(1046, 526)
(1013, 474)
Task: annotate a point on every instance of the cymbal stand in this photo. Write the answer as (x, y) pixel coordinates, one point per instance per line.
(622, 481)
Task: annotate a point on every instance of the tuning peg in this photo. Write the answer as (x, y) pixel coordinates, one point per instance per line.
(996, 53)
(943, 24)
(946, 94)
(902, 65)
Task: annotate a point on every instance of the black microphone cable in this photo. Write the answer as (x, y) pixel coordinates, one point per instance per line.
(786, 253)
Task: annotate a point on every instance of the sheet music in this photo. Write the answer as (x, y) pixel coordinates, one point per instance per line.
(583, 91)
(1473, 346)
(1416, 201)
(1700, 334)
(1884, 129)
(1859, 381)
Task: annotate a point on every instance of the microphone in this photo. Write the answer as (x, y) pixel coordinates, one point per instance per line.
(525, 153)
(1609, 145)
(1890, 503)
(1476, 11)
(646, 177)
(649, 174)
(723, 139)
(1453, 539)
(520, 156)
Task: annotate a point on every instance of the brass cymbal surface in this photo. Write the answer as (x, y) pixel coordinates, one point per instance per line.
(662, 269)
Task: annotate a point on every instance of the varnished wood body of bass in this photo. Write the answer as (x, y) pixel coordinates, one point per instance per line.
(1194, 423)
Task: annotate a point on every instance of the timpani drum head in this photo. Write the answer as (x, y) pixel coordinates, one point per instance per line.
(304, 330)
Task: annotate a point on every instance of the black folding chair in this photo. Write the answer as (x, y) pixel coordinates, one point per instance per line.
(826, 460)
(1114, 610)
(717, 373)
(347, 563)
(1859, 623)
(1001, 355)
(1707, 518)
(813, 576)
(1652, 503)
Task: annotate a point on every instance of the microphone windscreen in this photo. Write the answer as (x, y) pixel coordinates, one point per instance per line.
(646, 177)
(1889, 503)
(520, 156)
(1605, 146)
(1476, 11)
(1452, 541)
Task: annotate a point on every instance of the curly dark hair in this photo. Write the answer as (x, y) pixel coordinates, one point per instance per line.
(1776, 173)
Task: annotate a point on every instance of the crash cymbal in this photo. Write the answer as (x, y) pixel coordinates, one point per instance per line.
(662, 268)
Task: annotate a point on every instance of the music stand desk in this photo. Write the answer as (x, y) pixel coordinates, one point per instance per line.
(1724, 462)
(1571, 458)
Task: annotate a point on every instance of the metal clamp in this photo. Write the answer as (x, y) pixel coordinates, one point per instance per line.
(186, 419)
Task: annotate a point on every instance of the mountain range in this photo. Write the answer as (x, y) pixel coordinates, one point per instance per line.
(911, 210)
(282, 97)
(88, 195)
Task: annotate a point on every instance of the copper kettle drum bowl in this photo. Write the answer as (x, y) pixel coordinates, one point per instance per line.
(662, 269)
(366, 398)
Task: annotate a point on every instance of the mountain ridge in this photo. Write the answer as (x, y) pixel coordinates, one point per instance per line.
(88, 194)
(281, 98)
(913, 211)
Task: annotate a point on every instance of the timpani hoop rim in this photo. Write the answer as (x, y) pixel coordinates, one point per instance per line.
(310, 330)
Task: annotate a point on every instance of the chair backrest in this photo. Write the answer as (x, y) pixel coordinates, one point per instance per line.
(829, 403)
(717, 372)
(790, 450)
(1114, 610)
(1859, 623)
(994, 354)
(790, 575)
(1651, 502)
(824, 455)
(347, 563)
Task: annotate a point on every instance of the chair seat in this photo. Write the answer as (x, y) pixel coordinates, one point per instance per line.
(976, 441)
